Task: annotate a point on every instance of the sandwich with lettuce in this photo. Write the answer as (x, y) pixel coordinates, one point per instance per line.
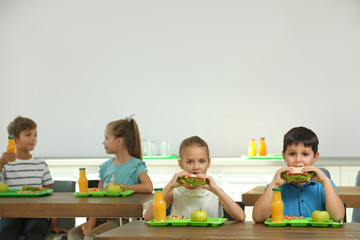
(297, 176)
(192, 181)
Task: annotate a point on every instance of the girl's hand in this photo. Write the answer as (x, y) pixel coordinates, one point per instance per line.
(56, 229)
(7, 157)
(278, 180)
(210, 185)
(319, 176)
(86, 227)
(173, 182)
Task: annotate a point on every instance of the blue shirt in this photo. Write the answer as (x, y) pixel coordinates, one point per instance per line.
(127, 173)
(302, 201)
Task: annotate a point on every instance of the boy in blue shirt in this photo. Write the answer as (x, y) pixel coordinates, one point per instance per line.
(300, 149)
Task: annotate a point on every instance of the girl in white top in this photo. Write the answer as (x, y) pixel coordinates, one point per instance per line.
(195, 160)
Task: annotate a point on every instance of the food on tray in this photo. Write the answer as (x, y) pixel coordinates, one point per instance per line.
(95, 190)
(199, 215)
(3, 187)
(297, 176)
(176, 217)
(320, 216)
(114, 188)
(293, 218)
(28, 189)
(192, 180)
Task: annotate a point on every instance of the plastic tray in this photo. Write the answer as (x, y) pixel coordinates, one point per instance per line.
(211, 222)
(306, 222)
(13, 193)
(269, 156)
(105, 194)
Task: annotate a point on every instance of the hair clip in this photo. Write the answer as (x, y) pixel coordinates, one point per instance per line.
(130, 117)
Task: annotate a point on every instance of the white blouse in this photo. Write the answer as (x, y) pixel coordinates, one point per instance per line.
(186, 201)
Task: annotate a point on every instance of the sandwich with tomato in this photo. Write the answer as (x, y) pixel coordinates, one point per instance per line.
(192, 181)
(297, 176)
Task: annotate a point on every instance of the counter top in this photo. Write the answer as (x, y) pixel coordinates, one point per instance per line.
(216, 161)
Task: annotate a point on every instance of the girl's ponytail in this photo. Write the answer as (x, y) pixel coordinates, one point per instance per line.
(128, 129)
(137, 152)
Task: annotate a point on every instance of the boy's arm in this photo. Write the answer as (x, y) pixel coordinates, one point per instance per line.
(334, 204)
(7, 157)
(262, 210)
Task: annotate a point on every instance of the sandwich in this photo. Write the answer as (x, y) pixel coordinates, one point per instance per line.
(192, 181)
(297, 176)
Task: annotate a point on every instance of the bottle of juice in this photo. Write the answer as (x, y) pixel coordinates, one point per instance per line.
(159, 206)
(262, 147)
(277, 206)
(252, 148)
(11, 147)
(83, 182)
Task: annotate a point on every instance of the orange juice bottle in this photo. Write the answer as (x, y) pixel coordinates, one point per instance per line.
(252, 148)
(277, 206)
(83, 182)
(262, 147)
(159, 206)
(11, 147)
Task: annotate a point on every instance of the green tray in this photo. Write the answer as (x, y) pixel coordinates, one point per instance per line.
(105, 194)
(306, 222)
(13, 193)
(211, 221)
(269, 156)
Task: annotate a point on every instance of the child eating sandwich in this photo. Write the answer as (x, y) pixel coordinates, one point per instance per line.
(301, 197)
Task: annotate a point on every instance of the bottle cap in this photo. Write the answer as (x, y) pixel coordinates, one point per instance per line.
(82, 168)
(276, 189)
(252, 139)
(262, 138)
(11, 136)
(158, 189)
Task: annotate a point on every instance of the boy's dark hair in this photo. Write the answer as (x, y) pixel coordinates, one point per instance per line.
(193, 141)
(20, 124)
(301, 135)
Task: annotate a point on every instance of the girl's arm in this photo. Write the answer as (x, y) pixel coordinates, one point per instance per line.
(226, 202)
(145, 186)
(168, 194)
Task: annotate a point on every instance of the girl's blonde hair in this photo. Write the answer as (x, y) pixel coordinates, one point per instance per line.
(128, 130)
(193, 141)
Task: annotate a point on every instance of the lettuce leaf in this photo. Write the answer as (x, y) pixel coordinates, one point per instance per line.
(303, 178)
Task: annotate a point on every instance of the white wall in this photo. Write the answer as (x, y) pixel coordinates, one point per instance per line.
(224, 70)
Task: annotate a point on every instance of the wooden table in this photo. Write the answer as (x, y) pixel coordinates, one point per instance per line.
(66, 205)
(349, 195)
(230, 230)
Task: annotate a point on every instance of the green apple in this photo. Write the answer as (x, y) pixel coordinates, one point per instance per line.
(320, 216)
(3, 187)
(199, 215)
(113, 188)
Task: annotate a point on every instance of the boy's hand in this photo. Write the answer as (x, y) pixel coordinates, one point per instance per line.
(278, 180)
(319, 176)
(7, 157)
